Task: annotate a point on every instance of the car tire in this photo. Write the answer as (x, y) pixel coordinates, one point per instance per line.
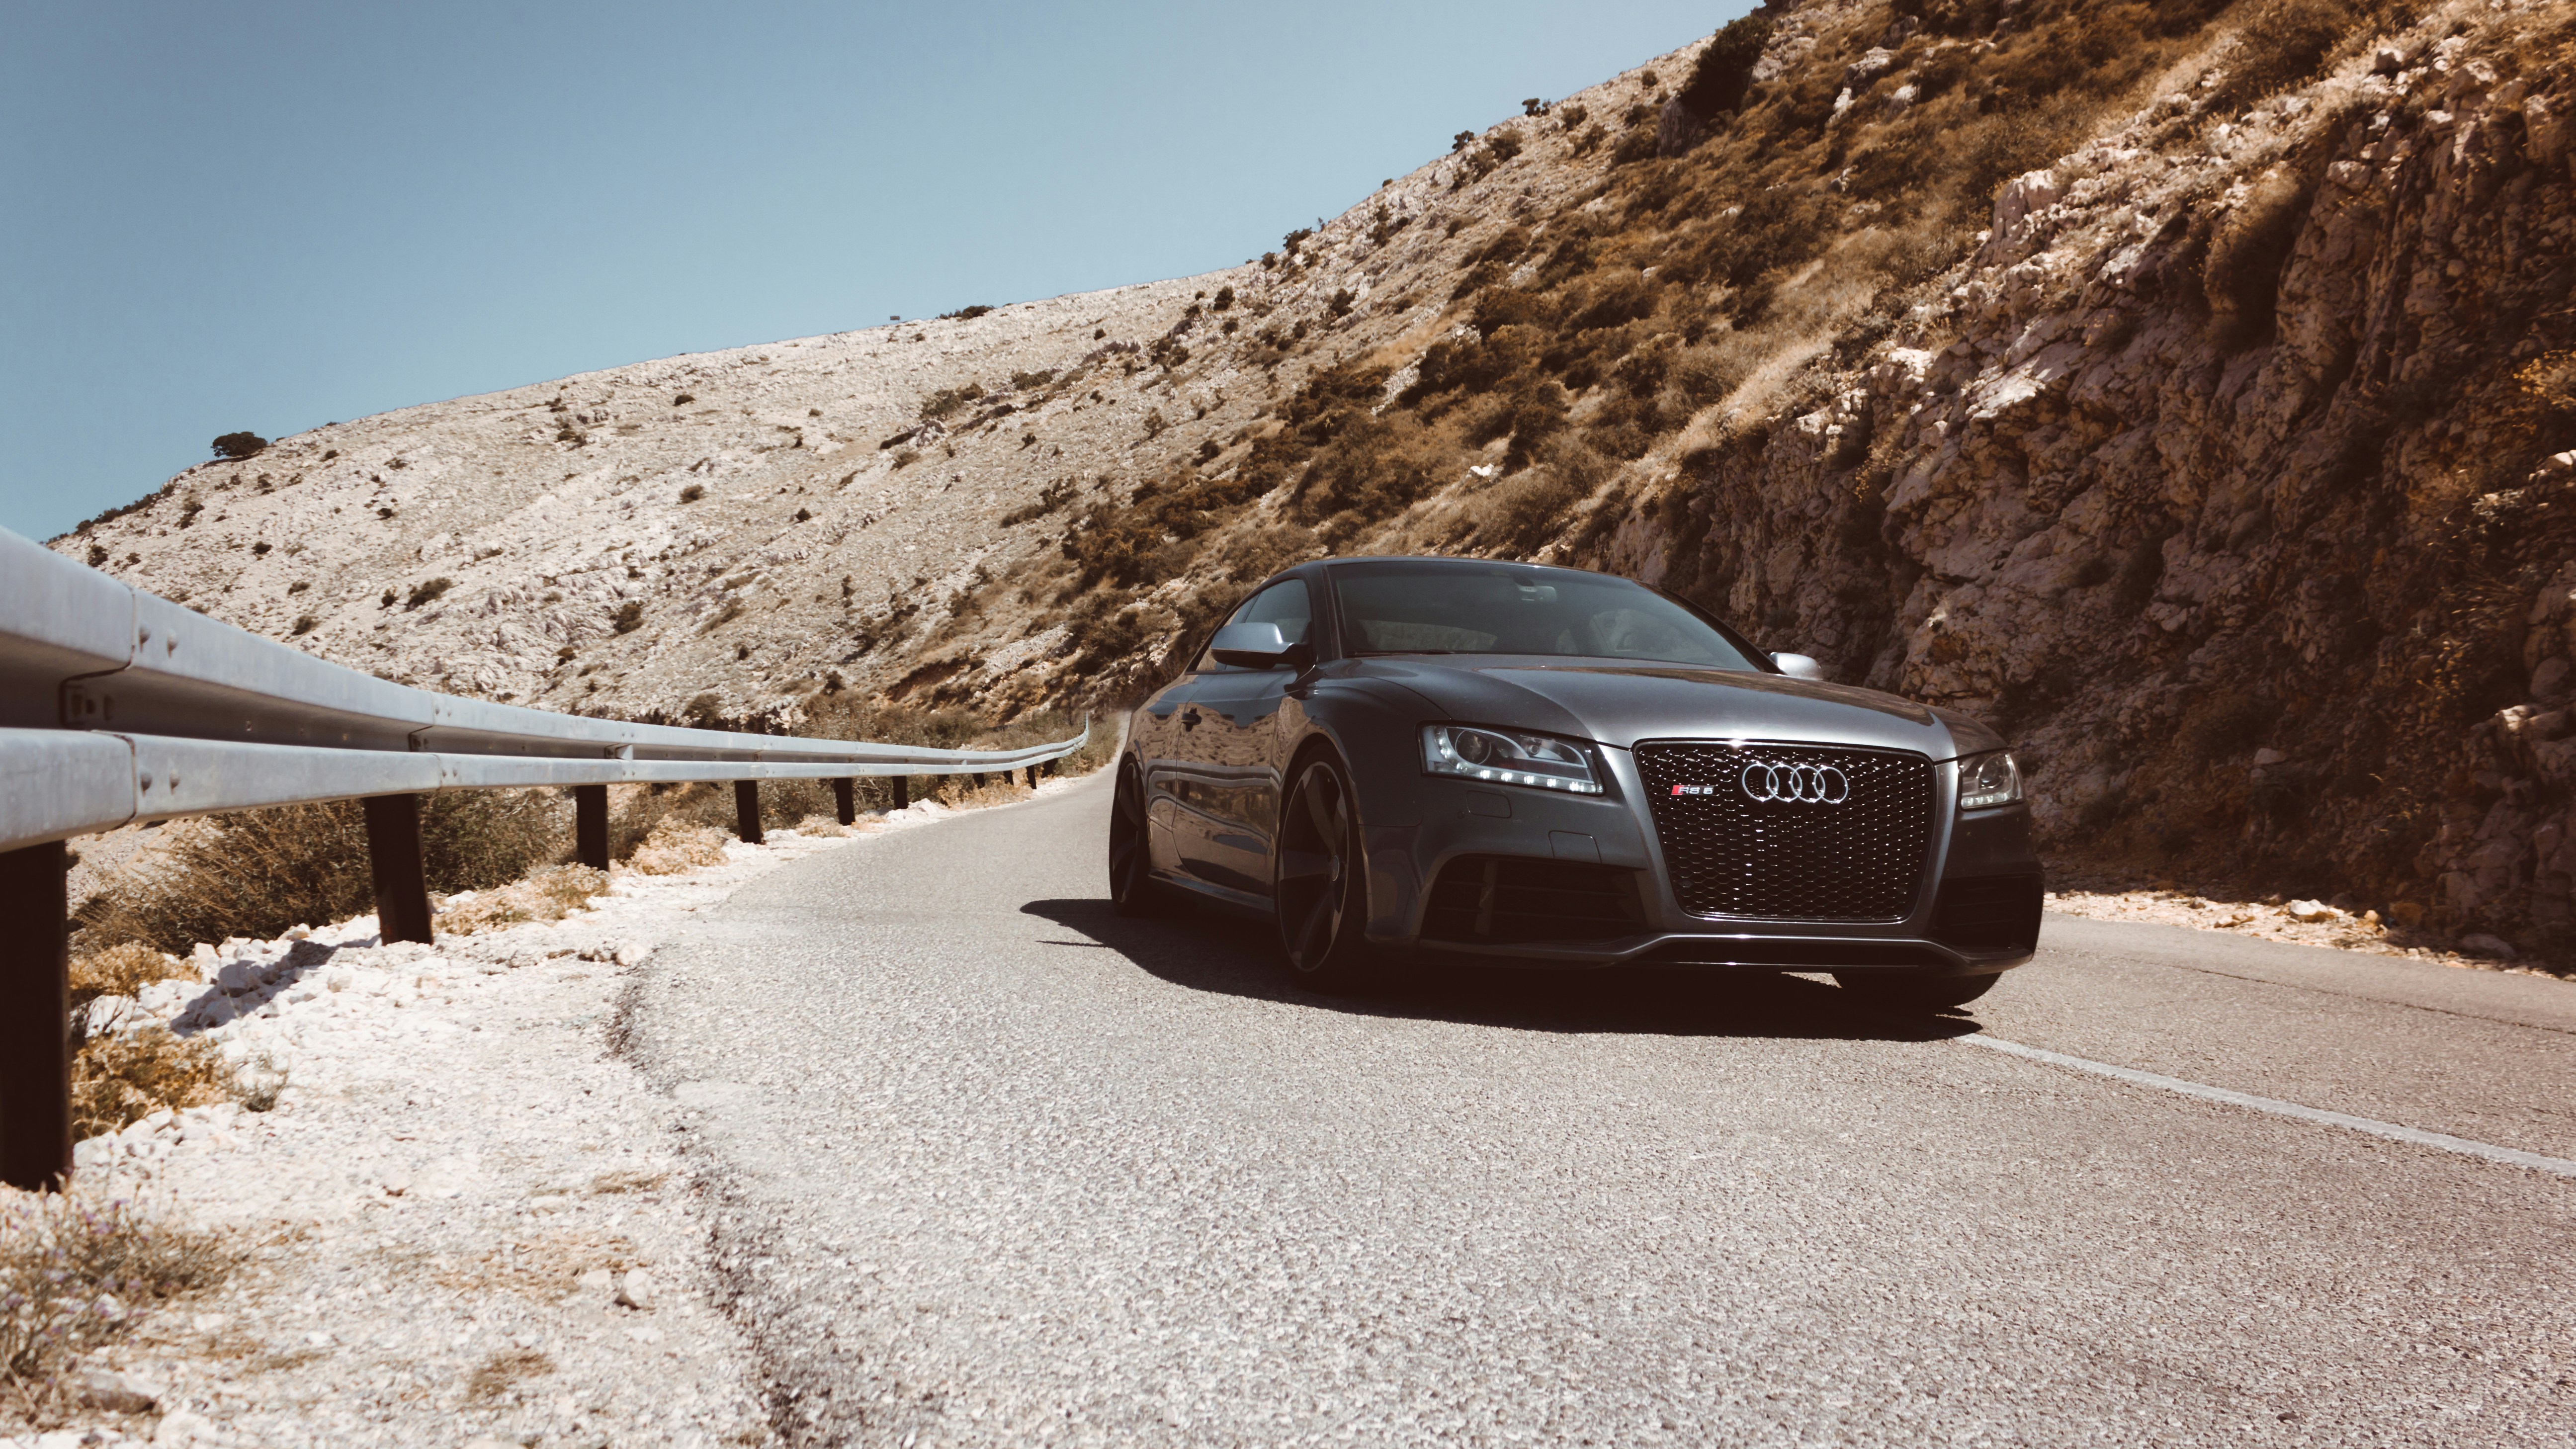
(1901, 991)
(1319, 893)
(1133, 891)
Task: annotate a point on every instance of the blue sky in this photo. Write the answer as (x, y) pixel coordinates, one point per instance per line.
(273, 216)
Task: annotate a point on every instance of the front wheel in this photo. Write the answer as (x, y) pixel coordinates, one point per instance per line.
(1319, 897)
(1901, 991)
(1132, 889)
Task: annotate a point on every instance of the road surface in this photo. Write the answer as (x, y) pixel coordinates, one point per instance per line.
(994, 1166)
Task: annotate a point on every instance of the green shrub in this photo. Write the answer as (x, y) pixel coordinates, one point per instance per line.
(427, 593)
(628, 618)
(238, 446)
(964, 314)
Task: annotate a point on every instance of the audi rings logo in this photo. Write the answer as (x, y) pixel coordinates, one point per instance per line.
(1765, 783)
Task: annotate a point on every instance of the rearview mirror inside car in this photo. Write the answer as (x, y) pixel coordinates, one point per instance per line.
(1258, 646)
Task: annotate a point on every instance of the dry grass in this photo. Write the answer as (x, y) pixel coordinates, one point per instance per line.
(123, 970)
(260, 872)
(547, 894)
(960, 793)
(502, 1371)
(677, 844)
(824, 825)
(121, 1077)
(75, 1273)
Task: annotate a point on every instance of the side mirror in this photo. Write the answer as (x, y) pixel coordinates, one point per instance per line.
(1258, 646)
(1798, 666)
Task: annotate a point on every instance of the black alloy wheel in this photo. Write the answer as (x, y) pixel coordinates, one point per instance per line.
(1901, 991)
(1319, 897)
(1132, 889)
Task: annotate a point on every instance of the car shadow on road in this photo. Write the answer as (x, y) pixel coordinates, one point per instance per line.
(1208, 950)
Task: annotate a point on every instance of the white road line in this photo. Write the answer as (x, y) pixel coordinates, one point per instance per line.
(2514, 1156)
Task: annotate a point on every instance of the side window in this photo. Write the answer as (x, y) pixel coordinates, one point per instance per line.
(1287, 605)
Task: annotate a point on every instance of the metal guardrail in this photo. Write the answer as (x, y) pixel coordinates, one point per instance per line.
(117, 706)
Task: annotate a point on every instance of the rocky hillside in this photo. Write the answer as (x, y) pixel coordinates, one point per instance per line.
(2190, 385)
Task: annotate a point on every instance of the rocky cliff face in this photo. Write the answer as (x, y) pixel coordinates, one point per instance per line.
(2229, 472)
(2189, 386)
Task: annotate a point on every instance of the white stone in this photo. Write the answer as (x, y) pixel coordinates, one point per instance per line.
(2311, 911)
(182, 1427)
(118, 1393)
(636, 1290)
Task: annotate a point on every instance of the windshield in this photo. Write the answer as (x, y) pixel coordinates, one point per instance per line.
(1508, 609)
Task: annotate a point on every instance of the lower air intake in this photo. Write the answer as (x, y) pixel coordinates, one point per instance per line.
(1995, 913)
(1505, 900)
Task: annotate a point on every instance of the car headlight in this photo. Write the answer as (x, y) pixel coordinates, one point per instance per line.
(1987, 781)
(1508, 757)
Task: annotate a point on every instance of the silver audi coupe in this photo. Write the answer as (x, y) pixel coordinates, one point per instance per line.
(1505, 762)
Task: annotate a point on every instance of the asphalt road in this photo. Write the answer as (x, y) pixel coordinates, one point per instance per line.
(994, 1166)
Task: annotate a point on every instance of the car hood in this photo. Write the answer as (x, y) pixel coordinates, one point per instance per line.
(1620, 702)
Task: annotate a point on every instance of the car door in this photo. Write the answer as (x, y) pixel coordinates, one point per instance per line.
(1161, 743)
(1236, 753)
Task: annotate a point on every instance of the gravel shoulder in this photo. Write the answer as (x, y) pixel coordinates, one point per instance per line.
(467, 1217)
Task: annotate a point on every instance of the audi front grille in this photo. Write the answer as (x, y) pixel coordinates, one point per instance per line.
(1822, 833)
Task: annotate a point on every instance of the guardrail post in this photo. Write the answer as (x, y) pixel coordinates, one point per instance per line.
(746, 811)
(35, 1019)
(902, 790)
(845, 802)
(590, 825)
(393, 858)
(1033, 777)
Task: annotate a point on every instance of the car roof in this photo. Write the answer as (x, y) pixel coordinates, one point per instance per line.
(1441, 561)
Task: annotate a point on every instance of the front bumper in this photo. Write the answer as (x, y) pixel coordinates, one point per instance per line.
(1975, 913)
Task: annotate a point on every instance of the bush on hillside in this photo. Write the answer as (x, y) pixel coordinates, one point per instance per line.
(237, 446)
(1725, 67)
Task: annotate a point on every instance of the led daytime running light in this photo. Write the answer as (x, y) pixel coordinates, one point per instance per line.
(1508, 757)
(1989, 780)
